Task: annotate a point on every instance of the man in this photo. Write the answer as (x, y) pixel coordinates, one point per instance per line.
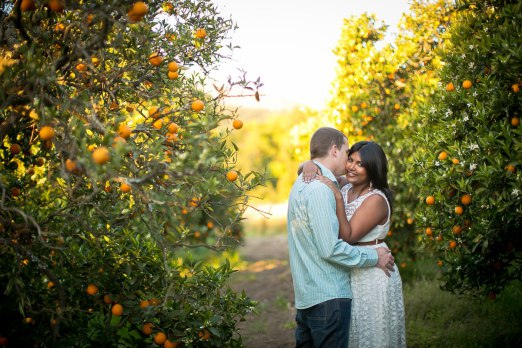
(319, 260)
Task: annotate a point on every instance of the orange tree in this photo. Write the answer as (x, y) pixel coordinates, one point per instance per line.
(378, 94)
(111, 165)
(469, 157)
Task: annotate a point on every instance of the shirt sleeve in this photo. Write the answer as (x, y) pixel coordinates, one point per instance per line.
(325, 229)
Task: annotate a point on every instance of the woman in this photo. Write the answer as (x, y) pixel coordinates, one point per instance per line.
(364, 210)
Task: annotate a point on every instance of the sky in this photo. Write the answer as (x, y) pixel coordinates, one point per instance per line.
(289, 44)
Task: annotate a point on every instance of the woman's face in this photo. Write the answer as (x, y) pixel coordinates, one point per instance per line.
(355, 173)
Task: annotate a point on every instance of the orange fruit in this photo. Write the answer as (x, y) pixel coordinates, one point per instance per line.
(138, 11)
(430, 200)
(459, 210)
(172, 75)
(155, 59)
(81, 67)
(197, 105)
(511, 168)
(440, 263)
(160, 338)
(107, 299)
(70, 165)
(466, 199)
(173, 128)
(15, 191)
(91, 289)
(50, 284)
(46, 133)
(457, 229)
(439, 238)
(515, 88)
(170, 344)
(201, 33)
(443, 155)
(452, 244)
(117, 310)
(210, 224)
(144, 304)
(237, 124)
(450, 87)
(147, 328)
(515, 121)
(124, 131)
(455, 161)
(124, 187)
(467, 84)
(154, 112)
(95, 61)
(15, 149)
(173, 66)
(27, 5)
(396, 106)
(101, 155)
(157, 124)
(429, 231)
(232, 175)
(204, 335)
(56, 5)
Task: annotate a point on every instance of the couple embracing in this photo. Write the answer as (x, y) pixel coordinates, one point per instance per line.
(348, 291)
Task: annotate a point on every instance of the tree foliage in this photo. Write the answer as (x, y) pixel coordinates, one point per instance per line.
(112, 160)
(470, 151)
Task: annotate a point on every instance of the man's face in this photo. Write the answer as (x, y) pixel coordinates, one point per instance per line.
(341, 159)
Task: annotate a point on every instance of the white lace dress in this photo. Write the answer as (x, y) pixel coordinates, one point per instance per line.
(377, 307)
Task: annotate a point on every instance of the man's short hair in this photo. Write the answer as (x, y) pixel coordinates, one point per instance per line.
(323, 139)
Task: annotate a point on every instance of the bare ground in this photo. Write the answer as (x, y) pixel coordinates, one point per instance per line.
(268, 281)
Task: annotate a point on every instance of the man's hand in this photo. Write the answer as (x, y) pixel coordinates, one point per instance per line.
(385, 261)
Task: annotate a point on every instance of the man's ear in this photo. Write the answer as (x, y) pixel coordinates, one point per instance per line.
(334, 151)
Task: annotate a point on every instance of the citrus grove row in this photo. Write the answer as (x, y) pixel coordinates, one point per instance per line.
(115, 162)
(443, 99)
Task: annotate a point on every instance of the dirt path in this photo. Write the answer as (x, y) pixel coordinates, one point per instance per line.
(268, 281)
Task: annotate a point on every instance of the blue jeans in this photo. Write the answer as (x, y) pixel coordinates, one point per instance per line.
(325, 325)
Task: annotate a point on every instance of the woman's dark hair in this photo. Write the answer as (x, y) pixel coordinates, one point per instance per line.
(323, 139)
(375, 162)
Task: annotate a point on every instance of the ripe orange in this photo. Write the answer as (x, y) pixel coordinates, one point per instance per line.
(210, 224)
(70, 165)
(147, 328)
(173, 128)
(467, 84)
(15, 149)
(197, 105)
(232, 175)
(56, 5)
(429, 231)
(238, 124)
(46, 133)
(101, 155)
(155, 59)
(450, 87)
(443, 155)
(455, 161)
(452, 244)
(511, 168)
(27, 5)
(107, 299)
(170, 344)
(466, 199)
(172, 75)
(117, 310)
(459, 210)
(173, 66)
(144, 304)
(204, 335)
(81, 67)
(515, 88)
(515, 121)
(396, 106)
(124, 187)
(158, 124)
(154, 112)
(160, 338)
(91, 289)
(201, 33)
(138, 11)
(50, 284)
(124, 131)
(457, 229)
(430, 200)
(439, 238)
(440, 263)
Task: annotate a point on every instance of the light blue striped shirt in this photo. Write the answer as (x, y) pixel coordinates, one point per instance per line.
(319, 260)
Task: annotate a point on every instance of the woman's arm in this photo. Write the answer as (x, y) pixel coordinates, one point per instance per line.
(310, 170)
